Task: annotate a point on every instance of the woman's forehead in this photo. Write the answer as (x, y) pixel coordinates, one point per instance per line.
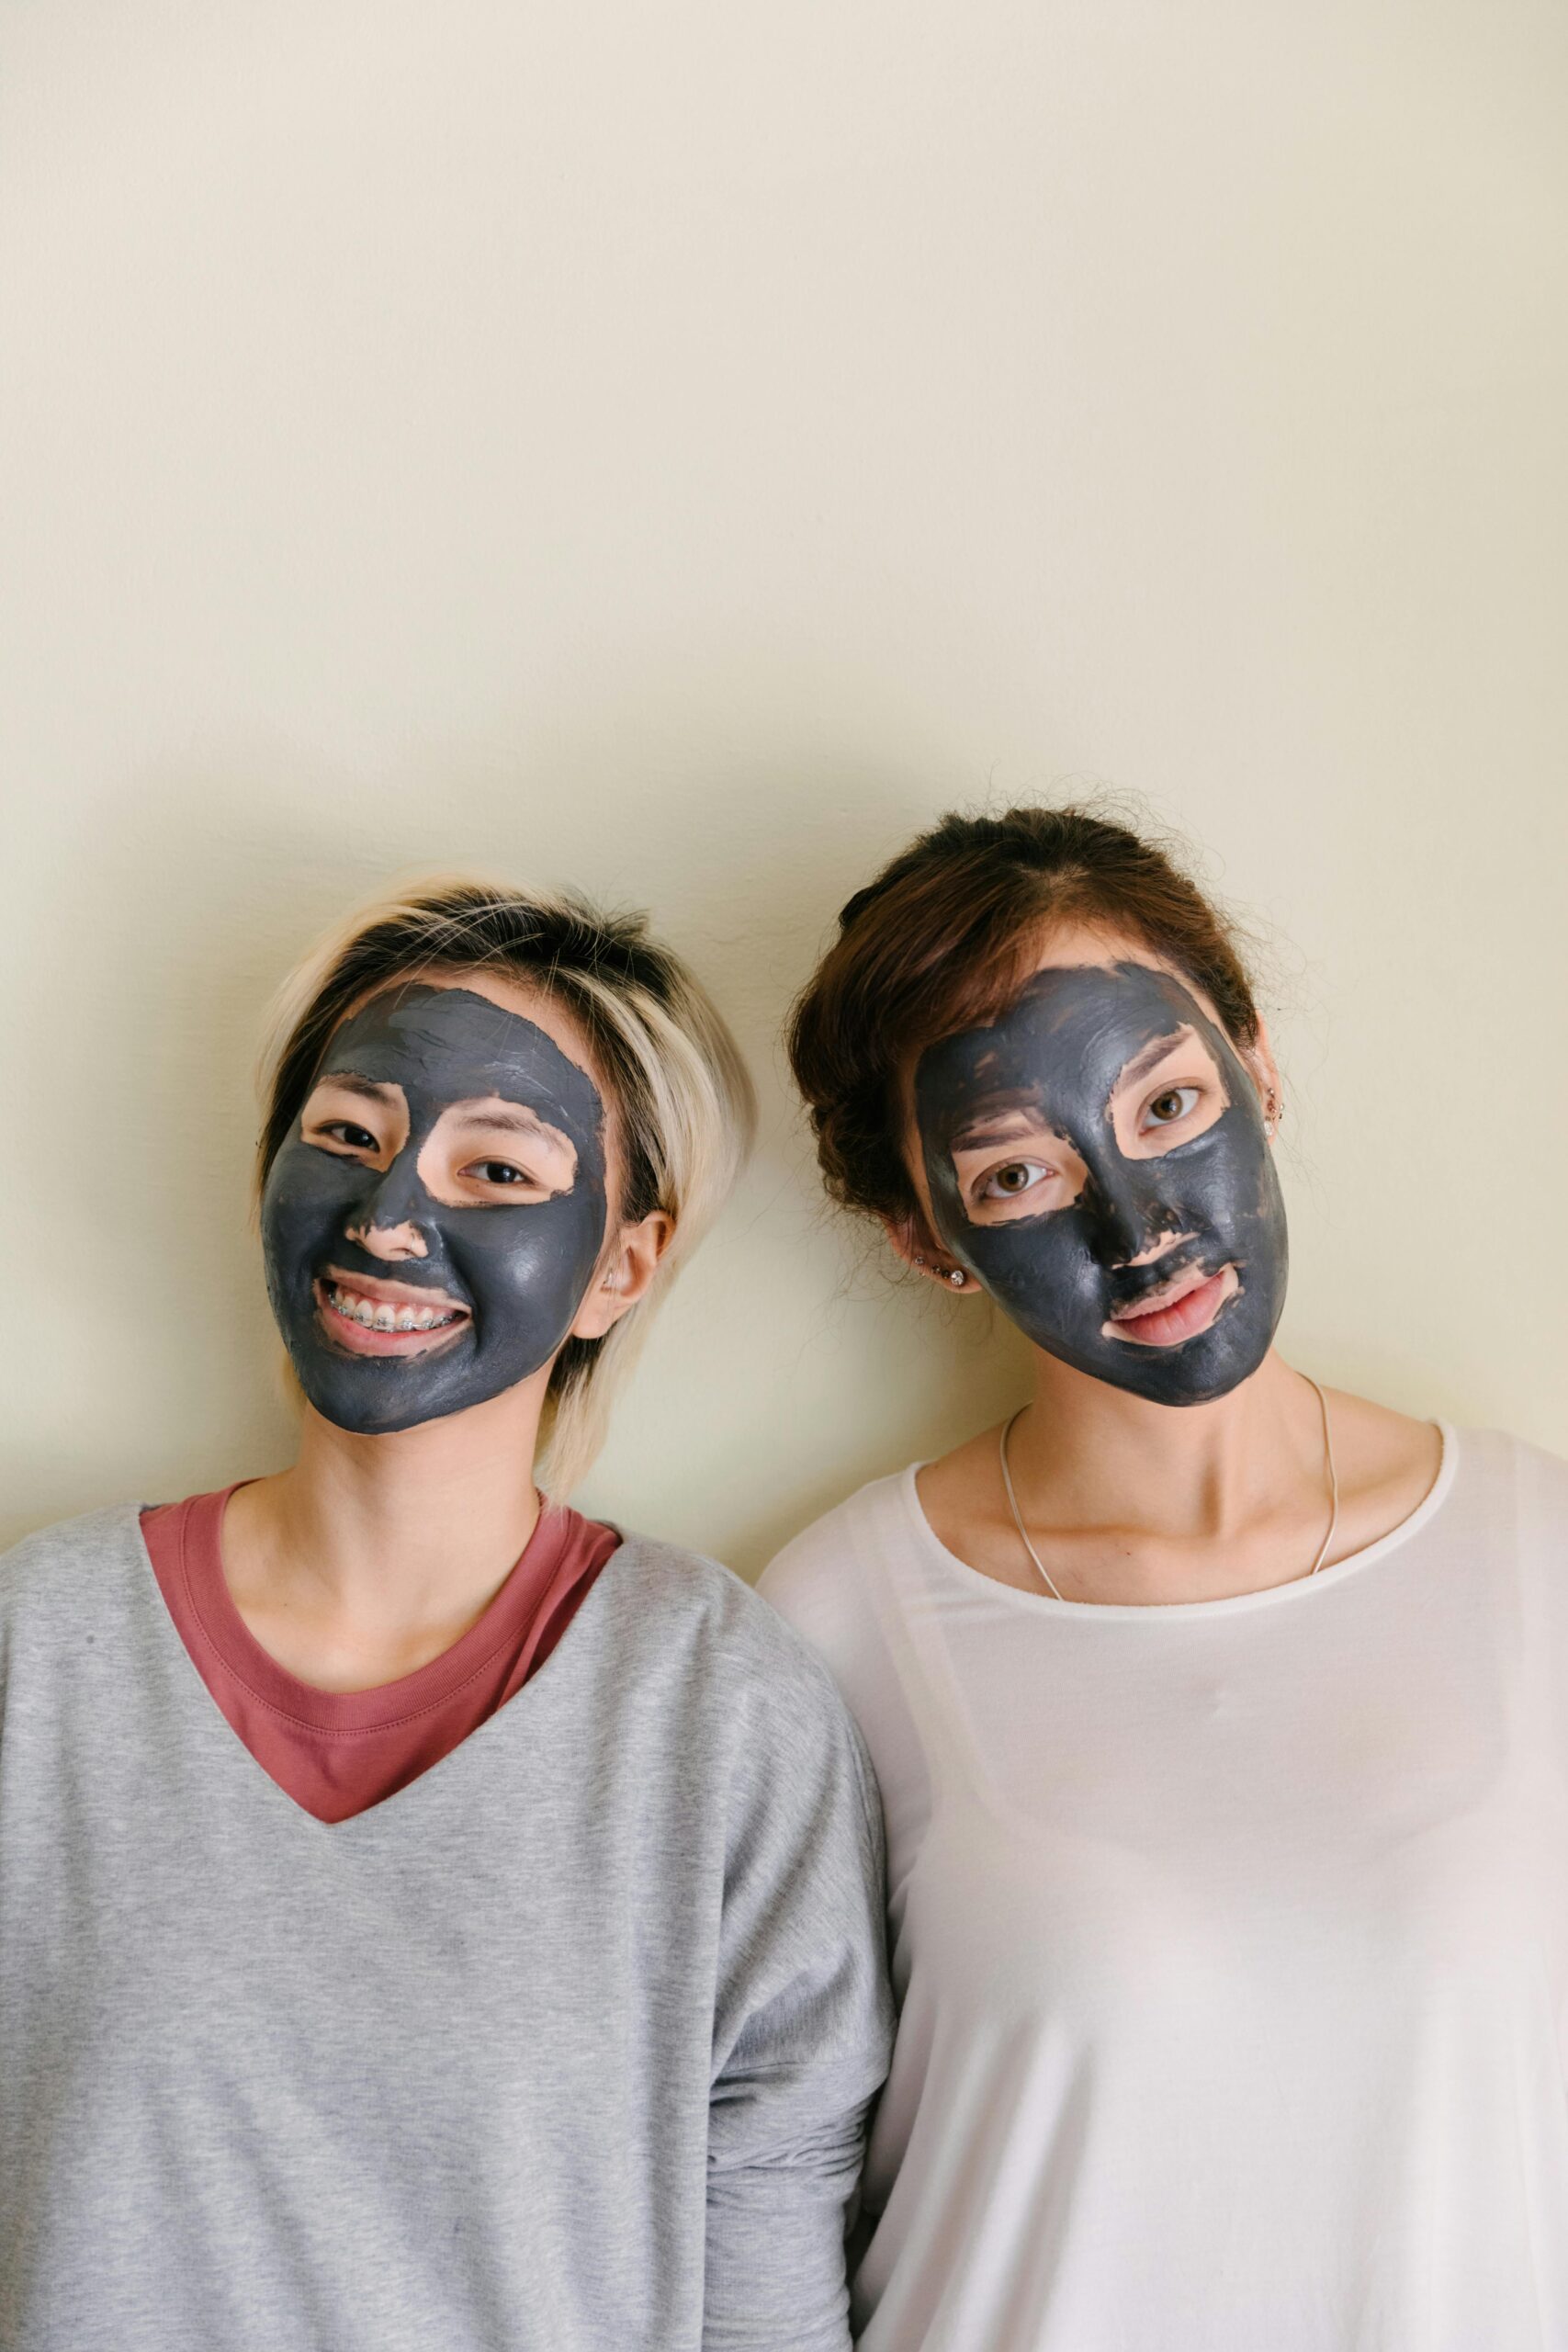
(1071, 1014)
(1073, 943)
(463, 1030)
(456, 1043)
(1076, 943)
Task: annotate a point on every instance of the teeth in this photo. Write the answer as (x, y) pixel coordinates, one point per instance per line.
(372, 1317)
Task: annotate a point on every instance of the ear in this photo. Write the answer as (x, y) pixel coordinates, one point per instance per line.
(911, 1240)
(1264, 1071)
(624, 1275)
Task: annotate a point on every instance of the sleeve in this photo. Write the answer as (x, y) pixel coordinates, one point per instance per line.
(802, 2030)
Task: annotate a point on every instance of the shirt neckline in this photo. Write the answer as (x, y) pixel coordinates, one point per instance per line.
(1163, 1611)
(380, 1706)
(443, 1780)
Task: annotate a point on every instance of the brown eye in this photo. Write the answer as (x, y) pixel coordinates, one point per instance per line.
(1007, 1184)
(352, 1137)
(1173, 1104)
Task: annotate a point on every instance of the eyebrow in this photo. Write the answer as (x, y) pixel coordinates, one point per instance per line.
(369, 1088)
(998, 1126)
(515, 1119)
(1157, 1051)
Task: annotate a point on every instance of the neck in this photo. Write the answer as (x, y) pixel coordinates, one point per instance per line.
(1094, 1456)
(394, 1535)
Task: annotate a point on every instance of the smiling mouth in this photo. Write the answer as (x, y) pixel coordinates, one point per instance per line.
(1186, 1305)
(367, 1317)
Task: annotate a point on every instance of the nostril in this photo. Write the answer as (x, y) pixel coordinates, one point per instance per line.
(388, 1241)
(1160, 1239)
(1132, 1229)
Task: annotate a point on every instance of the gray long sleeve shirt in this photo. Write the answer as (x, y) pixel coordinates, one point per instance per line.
(565, 2047)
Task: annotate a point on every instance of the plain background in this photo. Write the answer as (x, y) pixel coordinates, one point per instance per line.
(681, 450)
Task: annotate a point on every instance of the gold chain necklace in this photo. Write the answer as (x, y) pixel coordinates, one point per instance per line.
(1329, 1459)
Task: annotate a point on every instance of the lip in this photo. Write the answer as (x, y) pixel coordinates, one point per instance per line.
(1178, 1310)
(352, 1338)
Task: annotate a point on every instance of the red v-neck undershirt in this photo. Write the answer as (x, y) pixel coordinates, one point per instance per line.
(336, 1753)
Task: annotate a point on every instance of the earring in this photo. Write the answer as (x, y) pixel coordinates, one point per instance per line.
(957, 1277)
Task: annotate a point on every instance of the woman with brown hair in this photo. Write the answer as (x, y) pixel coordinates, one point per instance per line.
(432, 1920)
(1221, 1721)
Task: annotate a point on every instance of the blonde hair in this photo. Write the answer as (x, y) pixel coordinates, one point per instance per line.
(681, 1095)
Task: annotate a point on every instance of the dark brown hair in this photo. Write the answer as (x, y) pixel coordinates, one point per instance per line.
(943, 939)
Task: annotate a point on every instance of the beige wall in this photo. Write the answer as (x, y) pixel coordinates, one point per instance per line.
(679, 449)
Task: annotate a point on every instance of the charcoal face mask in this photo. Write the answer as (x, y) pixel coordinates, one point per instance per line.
(522, 1273)
(1056, 1055)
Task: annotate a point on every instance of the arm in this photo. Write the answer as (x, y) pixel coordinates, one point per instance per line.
(802, 2029)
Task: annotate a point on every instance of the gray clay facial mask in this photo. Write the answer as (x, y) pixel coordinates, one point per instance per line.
(1075, 1042)
(512, 1277)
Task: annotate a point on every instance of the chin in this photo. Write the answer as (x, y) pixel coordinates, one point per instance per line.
(389, 1423)
(1194, 1371)
(366, 1408)
(1200, 1376)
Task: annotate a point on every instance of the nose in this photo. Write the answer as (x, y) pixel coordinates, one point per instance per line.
(388, 1224)
(1128, 1220)
(391, 1243)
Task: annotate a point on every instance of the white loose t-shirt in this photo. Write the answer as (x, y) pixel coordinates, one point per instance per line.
(1231, 1938)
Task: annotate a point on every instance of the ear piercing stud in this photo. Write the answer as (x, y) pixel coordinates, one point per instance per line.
(953, 1275)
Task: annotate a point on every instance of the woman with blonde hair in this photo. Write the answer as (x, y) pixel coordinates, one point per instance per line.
(429, 1916)
(1220, 1721)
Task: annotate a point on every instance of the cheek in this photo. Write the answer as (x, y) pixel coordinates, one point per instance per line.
(1059, 1268)
(1227, 1179)
(1045, 1269)
(303, 1193)
(535, 1253)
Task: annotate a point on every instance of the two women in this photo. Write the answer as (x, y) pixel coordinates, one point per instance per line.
(366, 1985)
(1221, 1724)
(428, 1918)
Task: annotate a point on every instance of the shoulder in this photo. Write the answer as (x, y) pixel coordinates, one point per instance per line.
(849, 1583)
(822, 1580)
(1514, 1484)
(1501, 1504)
(687, 1608)
(841, 1585)
(747, 1684)
(58, 1567)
